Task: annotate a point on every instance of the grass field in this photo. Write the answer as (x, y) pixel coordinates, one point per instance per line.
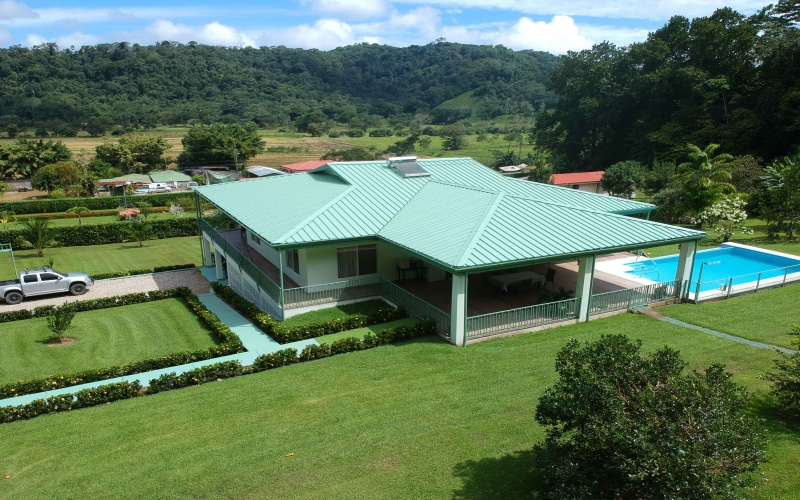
(108, 258)
(359, 333)
(423, 419)
(332, 313)
(107, 337)
(764, 317)
(100, 219)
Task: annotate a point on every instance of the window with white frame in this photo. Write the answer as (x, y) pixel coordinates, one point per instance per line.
(357, 260)
(255, 239)
(293, 260)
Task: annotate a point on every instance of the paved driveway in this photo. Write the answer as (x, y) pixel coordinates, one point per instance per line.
(191, 278)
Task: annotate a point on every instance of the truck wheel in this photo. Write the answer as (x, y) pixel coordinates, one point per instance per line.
(13, 298)
(77, 289)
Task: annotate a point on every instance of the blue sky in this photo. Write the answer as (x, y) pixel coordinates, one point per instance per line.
(548, 25)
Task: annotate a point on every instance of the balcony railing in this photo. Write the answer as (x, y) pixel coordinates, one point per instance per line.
(524, 317)
(332, 292)
(263, 282)
(620, 300)
(416, 306)
(734, 285)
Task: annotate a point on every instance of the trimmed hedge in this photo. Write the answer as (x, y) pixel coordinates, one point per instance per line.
(210, 373)
(65, 402)
(113, 232)
(229, 343)
(284, 335)
(93, 213)
(134, 272)
(99, 203)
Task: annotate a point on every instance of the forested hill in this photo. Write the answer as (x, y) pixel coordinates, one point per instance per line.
(171, 83)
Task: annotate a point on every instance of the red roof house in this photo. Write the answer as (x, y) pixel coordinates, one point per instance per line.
(304, 166)
(582, 181)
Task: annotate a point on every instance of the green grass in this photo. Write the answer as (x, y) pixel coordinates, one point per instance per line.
(100, 219)
(108, 258)
(107, 337)
(359, 333)
(332, 313)
(764, 317)
(423, 419)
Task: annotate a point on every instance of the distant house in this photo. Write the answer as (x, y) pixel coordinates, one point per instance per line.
(582, 181)
(169, 178)
(303, 166)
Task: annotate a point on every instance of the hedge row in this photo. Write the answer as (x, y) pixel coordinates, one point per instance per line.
(211, 373)
(113, 232)
(284, 335)
(99, 203)
(229, 343)
(94, 213)
(135, 272)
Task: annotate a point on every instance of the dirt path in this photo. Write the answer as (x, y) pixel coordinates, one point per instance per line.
(120, 286)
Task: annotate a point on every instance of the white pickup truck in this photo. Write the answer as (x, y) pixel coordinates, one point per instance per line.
(44, 281)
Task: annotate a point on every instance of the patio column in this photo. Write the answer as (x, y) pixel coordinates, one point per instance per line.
(207, 261)
(458, 310)
(583, 289)
(685, 265)
(220, 269)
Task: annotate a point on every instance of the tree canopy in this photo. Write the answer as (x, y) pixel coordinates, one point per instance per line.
(219, 144)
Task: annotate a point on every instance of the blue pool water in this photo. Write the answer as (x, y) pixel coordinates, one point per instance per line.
(740, 263)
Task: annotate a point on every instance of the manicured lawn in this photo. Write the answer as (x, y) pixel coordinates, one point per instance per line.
(109, 258)
(331, 313)
(764, 317)
(360, 332)
(423, 419)
(757, 239)
(106, 337)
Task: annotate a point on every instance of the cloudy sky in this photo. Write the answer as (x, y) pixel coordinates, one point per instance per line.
(549, 25)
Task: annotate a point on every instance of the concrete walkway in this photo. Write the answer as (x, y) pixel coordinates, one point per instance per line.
(254, 340)
(733, 338)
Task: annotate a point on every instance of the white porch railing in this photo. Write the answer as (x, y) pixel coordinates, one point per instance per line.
(332, 292)
(619, 300)
(416, 306)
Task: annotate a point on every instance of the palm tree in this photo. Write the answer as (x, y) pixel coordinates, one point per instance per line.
(705, 178)
(140, 230)
(36, 233)
(80, 211)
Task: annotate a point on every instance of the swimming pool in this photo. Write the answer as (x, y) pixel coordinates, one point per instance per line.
(741, 263)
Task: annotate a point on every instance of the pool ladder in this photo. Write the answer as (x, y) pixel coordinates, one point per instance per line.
(641, 253)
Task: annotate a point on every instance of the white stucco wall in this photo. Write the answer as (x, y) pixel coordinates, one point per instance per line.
(271, 255)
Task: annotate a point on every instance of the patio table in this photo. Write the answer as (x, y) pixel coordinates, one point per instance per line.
(502, 281)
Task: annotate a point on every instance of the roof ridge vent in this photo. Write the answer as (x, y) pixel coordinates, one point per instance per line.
(407, 166)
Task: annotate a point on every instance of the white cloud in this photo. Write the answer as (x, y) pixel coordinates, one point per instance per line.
(424, 20)
(6, 38)
(657, 10)
(325, 34)
(558, 36)
(349, 9)
(9, 9)
(213, 33)
(618, 36)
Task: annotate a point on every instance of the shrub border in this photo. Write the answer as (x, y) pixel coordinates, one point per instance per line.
(210, 373)
(230, 342)
(136, 272)
(284, 335)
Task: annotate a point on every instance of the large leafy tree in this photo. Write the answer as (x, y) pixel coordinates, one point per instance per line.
(779, 199)
(219, 144)
(134, 153)
(57, 175)
(621, 178)
(627, 425)
(23, 158)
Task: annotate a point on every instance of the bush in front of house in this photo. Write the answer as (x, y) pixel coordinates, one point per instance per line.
(202, 375)
(284, 335)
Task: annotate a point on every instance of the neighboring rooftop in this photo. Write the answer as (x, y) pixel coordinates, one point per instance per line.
(303, 166)
(577, 178)
(461, 216)
(157, 176)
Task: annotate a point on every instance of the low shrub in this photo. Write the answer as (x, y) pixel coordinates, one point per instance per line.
(209, 373)
(284, 335)
(275, 360)
(99, 203)
(135, 272)
(229, 343)
(113, 232)
(65, 402)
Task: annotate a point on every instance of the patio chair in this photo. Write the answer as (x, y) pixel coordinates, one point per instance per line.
(549, 277)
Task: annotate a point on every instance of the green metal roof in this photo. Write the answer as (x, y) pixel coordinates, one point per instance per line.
(133, 178)
(169, 176)
(462, 216)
